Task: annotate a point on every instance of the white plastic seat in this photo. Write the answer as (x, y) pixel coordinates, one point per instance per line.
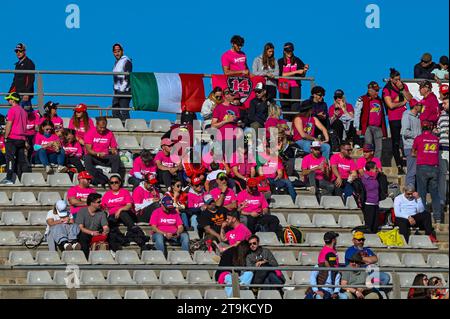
(24, 199)
(101, 257)
(136, 125)
(4, 199)
(288, 278)
(307, 201)
(282, 201)
(153, 257)
(92, 277)
(301, 220)
(33, 179)
(162, 294)
(13, 218)
(298, 164)
(48, 258)
(345, 240)
(373, 240)
(189, 294)
(55, 295)
(144, 277)
(246, 294)
(21, 257)
(205, 258)
(349, 221)
(406, 278)
(281, 218)
(294, 294)
(151, 142)
(120, 277)
(135, 294)
(198, 277)
(414, 260)
(75, 257)
(324, 220)
(332, 202)
(314, 239)
(179, 257)
(109, 294)
(115, 125)
(285, 258)
(351, 203)
(85, 294)
(160, 125)
(37, 218)
(268, 238)
(127, 257)
(386, 204)
(59, 179)
(7, 238)
(308, 258)
(39, 277)
(301, 277)
(193, 235)
(48, 198)
(171, 277)
(269, 294)
(128, 143)
(438, 260)
(59, 277)
(421, 241)
(215, 294)
(389, 260)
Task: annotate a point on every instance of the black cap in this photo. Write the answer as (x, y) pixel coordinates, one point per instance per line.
(330, 235)
(234, 213)
(302, 107)
(338, 94)
(443, 60)
(20, 47)
(318, 90)
(288, 47)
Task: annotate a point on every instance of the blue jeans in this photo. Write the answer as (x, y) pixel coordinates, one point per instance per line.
(160, 240)
(26, 103)
(245, 279)
(427, 178)
(281, 183)
(326, 295)
(306, 146)
(45, 158)
(410, 167)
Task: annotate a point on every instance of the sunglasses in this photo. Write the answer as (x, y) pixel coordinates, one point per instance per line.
(362, 239)
(113, 183)
(48, 129)
(177, 185)
(98, 202)
(21, 51)
(253, 243)
(258, 91)
(409, 194)
(223, 179)
(218, 97)
(318, 94)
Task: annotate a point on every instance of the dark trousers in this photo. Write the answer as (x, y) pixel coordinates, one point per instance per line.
(396, 127)
(165, 177)
(269, 222)
(326, 186)
(144, 215)
(16, 161)
(85, 242)
(127, 218)
(134, 181)
(345, 190)
(370, 213)
(423, 221)
(30, 141)
(121, 103)
(2, 159)
(76, 162)
(90, 162)
(338, 127)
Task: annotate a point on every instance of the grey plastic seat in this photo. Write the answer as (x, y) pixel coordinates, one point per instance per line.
(406, 278)
(389, 260)
(171, 277)
(349, 221)
(101, 257)
(135, 294)
(59, 277)
(4, 199)
(307, 201)
(48, 198)
(48, 258)
(115, 125)
(128, 143)
(281, 218)
(75, 257)
(37, 218)
(421, 241)
(179, 257)
(438, 260)
(351, 203)
(345, 240)
(144, 277)
(282, 201)
(127, 257)
(189, 294)
(301, 220)
(308, 258)
(55, 295)
(314, 239)
(21, 257)
(285, 258)
(160, 125)
(294, 294)
(246, 294)
(341, 257)
(108, 294)
(39, 277)
(136, 125)
(205, 258)
(268, 238)
(198, 277)
(85, 294)
(288, 278)
(7, 238)
(215, 294)
(33, 179)
(120, 277)
(151, 142)
(324, 220)
(193, 235)
(269, 294)
(162, 294)
(332, 202)
(301, 277)
(59, 179)
(24, 199)
(372, 240)
(386, 204)
(153, 257)
(13, 218)
(414, 260)
(92, 277)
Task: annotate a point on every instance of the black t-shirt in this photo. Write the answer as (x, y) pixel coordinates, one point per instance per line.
(214, 220)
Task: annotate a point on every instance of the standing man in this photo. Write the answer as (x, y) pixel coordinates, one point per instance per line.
(410, 129)
(234, 61)
(442, 130)
(121, 83)
(23, 82)
(15, 139)
(430, 111)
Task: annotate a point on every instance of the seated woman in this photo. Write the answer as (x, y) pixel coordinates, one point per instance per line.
(50, 114)
(48, 148)
(214, 98)
(180, 199)
(61, 228)
(142, 165)
(242, 167)
(80, 122)
(72, 149)
(420, 293)
(274, 121)
(146, 198)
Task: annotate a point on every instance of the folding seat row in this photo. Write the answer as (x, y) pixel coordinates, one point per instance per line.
(133, 125)
(29, 199)
(319, 220)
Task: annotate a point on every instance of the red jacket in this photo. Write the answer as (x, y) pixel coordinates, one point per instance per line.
(365, 111)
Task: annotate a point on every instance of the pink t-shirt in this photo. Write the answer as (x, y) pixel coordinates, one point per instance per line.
(255, 204)
(235, 61)
(56, 120)
(309, 126)
(361, 163)
(80, 131)
(167, 223)
(375, 113)
(140, 195)
(427, 147)
(344, 165)
(395, 114)
(33, 120)
(113, 202)
(290, 68)
(167, 160)
(310, 162)
(18, 116)
(340, 112)
(194, 200)
(101, 143)
(240, 233)
(42, 140)
(430, 111)
(325, 250)
(244, 164)
(272, 122)
(271, 166)
(222, 112)
(140, 167)
(230, 196)
(74, 149)
(79, 193)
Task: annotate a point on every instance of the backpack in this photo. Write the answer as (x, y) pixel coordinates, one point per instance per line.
(291, 235)
(31, 239)
(137, 235)
(359, 193)
(292, 151)
(382, 186)
(126, 158)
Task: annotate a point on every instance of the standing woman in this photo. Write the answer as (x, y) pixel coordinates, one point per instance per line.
(214, 98)
(80, 122)
(266, 65)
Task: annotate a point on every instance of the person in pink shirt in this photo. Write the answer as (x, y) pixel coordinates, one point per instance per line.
(368, 156)
(396, 95)
(33, 120)
(238, 232)
(234, 61)
(146, 198)
(195, 202)
(77, 195)
(15, 130)
(101, 149)
(430, 102)
(275, 122)
(343, 168)
(142, 165)
(225, 119)
(342, 116)
(168, 164)
(48, 148)
(166, 225)
(426, 150)
(80, 122)
(50, 114)
(72, 149)
(223, 194)
(330, 239)
(243, 166)
(317, 170)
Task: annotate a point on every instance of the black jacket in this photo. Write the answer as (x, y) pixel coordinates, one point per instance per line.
(23, 83)
(257, 111)
(424, 73)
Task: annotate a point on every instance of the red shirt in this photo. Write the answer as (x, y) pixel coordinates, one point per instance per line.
(222, 112)
(309, 125)
(427, 147)
(349, 108)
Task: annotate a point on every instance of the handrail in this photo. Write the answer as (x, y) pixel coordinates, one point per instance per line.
(418, 80)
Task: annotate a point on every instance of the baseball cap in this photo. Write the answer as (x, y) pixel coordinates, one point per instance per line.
(358, 235)
(167, 202)
(443, 89)
(330, 235)
(368, 148)
(425, 83)
(374, 86)
(331, 258)
(252, 182)
(20, 47)
(50, 105)
(338, 94)
(316, 144)
(426, 57)
(151, 178)
(84, 175)
(196, 181)
(13, 96)
(80, 108)
(61, 208)
(259, 87)
(288, 47)
(222, 175)
(166, 142)
(208, 199)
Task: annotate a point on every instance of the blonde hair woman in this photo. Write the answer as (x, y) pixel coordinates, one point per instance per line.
(214, 99)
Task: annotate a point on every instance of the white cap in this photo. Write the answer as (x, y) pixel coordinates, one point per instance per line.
(259, 86)
(61, 208)
(316, 144)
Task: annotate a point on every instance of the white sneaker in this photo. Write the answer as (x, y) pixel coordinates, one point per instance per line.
(67, 246)
(113, 254)
(76, 246)
(49, 169)
(62, 169)
(312, 190)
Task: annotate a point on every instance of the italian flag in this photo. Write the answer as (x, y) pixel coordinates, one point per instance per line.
(167, 92)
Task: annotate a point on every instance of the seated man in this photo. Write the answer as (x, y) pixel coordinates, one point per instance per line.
(101, 149)
(77, 195)
(368, 156)
(343, 168)
(168, 165)
(146, 198)
(223, 194)
(142, 165)
(211, 219)
(317, 170)
(238, 232)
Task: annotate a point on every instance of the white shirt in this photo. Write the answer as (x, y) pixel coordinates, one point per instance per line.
(55, 217)
(404, 208)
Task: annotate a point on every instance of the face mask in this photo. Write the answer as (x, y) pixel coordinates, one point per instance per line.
(47, 134)
(372, 174)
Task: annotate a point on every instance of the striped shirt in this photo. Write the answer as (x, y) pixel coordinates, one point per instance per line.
(443, 130)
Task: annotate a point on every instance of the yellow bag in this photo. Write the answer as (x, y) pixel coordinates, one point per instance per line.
(391, 237)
